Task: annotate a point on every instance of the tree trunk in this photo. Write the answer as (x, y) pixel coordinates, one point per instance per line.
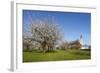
(43, 47)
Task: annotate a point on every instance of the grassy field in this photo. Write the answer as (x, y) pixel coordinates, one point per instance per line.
(57, 55)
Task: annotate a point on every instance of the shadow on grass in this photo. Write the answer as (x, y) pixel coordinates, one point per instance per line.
(39, 51)
(81, 52)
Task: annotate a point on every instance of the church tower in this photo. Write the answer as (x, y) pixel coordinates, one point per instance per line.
(81, 40)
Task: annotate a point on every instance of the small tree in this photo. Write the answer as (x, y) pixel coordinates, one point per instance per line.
(64, 45)
(27, 43)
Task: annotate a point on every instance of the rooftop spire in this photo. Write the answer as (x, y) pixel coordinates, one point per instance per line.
(80, 36)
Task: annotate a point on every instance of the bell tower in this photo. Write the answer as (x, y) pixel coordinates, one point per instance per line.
(81, 39)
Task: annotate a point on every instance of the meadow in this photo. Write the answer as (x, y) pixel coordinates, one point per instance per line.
(57, 55)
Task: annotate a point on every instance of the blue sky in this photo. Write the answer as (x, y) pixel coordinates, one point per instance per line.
(72, 24)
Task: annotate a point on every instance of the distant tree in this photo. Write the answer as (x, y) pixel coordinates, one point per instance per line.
(75, 45)
(89, 47)
(64, 45)
(27, 43)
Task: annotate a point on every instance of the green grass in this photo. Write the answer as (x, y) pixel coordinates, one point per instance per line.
(58, 55)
